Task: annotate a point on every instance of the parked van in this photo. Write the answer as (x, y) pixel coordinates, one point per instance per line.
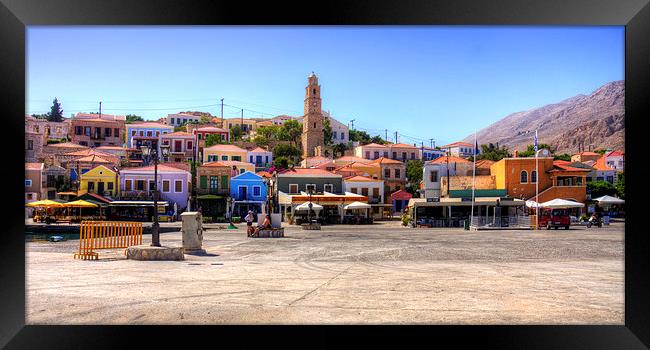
(555, 218)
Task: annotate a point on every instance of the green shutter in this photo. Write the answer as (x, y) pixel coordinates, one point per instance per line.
(204, 182)
(224, 181)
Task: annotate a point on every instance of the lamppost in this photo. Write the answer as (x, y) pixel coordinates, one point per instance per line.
(310, 205)
(229, 202)
(151, 152)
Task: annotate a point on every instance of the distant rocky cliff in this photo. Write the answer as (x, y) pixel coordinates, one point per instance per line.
(577, 123)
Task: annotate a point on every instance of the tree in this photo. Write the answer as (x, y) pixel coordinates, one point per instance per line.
(414, 170)
(261, 140)
(180, 128)
(600, 188)
(359, 136)
(284, 150)
(340, 149)
(40, 116)
(56, 113)
(493, 153)
(281, 163)
(292, 131)
(600, 151)
(327, 132)
(620, 185)
(213, 139)
(530, 150)
(132, 118)
(235, 133)
(564, 156)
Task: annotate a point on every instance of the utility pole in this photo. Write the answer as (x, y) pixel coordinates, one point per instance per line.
(100, 109)
(432, 143)
(448, 152)
(395, 137)
(352, 122)
(386, 133)
(222, 125)
(242, 119)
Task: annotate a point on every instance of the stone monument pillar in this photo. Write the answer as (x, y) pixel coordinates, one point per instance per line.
(192, 229)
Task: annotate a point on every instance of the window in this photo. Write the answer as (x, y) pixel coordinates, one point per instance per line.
(132, 132)
(385, 154)
(387, 173)
(599, 178)
(523, 177)
(157, 133)
(314, 125)
(251, 159)
(610, 179)
(91, 185)
(28, 183)
(178, 186)
(375, 192)
(237, 158)
(172, 121)
(189, 145)
(394, 155)
(165, 186)
(198, 136)
(533, 177)
(214, 182)
(342, 136)
(203, 182)
(242, 170)
(328, 188)
(87, 131)
(30, 144)
(257, 191)
(97, 144)
(353, 190)
(141, 133)
(403, 155)
(433, 176)
(83, 143)
(152, 185)
(30, 196)
(367, 154)
(139, 185)
(224, 157)
(109, 185)
(78, 130)
(149, 133)
(309, 187)
(127, 185)
(397, 173)
(412, 155)
(224, 182)
(107, 132)
(293, 188)
(364, 191)
(116, 132)
(184, 120)
(376, 155)
(334, 135)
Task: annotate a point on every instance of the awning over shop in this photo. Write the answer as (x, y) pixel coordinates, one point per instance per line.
(446, 202)
(45, 204)
(322, 199)
(561, 204)
(357, 205)
(209, 197)
(305, 206)
(80, 204)
(136, 204)
(608, 200)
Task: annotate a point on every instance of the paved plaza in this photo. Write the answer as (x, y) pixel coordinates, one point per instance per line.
(374, 274)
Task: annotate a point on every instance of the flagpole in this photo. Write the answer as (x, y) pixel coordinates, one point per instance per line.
(473, 179)
(536, 185)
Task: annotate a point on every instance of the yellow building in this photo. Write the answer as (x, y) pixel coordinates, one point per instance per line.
(220, 153)
(99, 180)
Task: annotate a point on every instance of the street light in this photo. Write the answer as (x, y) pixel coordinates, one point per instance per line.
(150, 152)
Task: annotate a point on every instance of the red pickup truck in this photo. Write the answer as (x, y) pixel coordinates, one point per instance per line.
(555, 218)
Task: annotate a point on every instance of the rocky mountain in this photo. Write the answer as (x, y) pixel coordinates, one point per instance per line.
(582, 122)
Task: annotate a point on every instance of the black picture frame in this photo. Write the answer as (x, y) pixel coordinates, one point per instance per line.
(15, 15)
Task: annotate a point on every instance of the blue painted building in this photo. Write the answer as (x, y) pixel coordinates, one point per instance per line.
(147, 132)
(248, 192)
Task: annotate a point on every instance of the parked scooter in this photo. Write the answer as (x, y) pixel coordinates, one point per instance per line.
(594, 220)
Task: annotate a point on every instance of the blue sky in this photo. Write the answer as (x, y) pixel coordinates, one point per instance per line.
(437, 82)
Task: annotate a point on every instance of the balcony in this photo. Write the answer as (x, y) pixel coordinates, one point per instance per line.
(374, 200)
(215, 191)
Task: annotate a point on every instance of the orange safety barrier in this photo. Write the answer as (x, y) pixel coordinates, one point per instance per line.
(106, 235)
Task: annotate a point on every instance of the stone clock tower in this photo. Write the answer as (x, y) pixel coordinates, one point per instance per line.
(312, 123)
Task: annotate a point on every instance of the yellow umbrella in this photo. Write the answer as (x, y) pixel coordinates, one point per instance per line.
(80, 204)
(45, 204)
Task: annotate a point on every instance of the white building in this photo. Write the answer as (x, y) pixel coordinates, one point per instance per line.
(371, 151)
(340, 131)
(365, 186)
(460, 149)
(615, 160)
(428, 153)
(434, 170)
(179, 119)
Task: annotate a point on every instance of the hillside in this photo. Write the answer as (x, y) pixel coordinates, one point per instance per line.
(588, 121)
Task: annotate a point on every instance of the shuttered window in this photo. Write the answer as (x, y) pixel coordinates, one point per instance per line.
(203, 182)
(224, 181)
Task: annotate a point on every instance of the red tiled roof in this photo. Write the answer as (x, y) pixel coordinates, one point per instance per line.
(264, 174)
(400, 195)
(93, 158)
(67, 145)
(614, 154)
(33, 166)
(113, 148)
(374, 145)
(351, 159)
(456, 144)
(384, 160)
(452, 159)
(586, 153)
(314, 172)
(484, 163)
(214, 164)
(226, 148)
(177, 133)
(89, 152)
(235, 162)
(149, 125)
(402, 145)
(210, 129)
(562, 165)
(601, 165)
(359, 178)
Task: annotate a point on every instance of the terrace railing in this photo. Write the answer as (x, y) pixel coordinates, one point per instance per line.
(521, 221)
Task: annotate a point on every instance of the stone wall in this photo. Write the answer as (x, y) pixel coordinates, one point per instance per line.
(483, 182)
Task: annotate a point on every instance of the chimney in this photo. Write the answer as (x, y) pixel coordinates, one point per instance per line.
(516, 154)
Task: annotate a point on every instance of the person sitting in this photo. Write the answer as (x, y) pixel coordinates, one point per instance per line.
(264, 226)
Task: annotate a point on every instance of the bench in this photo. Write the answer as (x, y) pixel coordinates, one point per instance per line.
(269, 233)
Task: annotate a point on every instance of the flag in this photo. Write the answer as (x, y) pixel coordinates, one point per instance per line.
(475, 146)
(535, 141)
